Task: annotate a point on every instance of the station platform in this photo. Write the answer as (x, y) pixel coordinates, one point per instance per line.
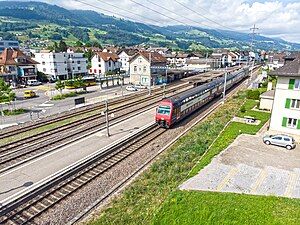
(17, 180)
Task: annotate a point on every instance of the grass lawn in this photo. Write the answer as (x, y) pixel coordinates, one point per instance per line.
(140, 202)
(155, 199)
(195, 207)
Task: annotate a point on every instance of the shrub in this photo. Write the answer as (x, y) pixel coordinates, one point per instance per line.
(243, 109)
(14, 112)
(253, 94)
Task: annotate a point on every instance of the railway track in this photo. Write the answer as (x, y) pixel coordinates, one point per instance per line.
(57, 118)
(19, 152)
(65, 185)
(29, 207)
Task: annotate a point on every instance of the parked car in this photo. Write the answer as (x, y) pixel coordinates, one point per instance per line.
(131, 88)
(280, 140)
(139, 86)
(29, 94)
(33, 83)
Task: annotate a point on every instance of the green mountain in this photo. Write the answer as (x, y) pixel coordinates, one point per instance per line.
(36, 22)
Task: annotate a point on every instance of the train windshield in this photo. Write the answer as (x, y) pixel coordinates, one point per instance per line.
(164, 110)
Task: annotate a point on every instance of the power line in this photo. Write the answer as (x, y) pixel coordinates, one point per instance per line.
(117, 7)
(153, 10)
(203, 15)
(105, 10)
(194, 21)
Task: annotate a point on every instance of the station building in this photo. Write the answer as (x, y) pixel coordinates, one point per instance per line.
(148, 68)
(285, 116)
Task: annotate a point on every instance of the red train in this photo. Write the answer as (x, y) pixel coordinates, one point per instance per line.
(171, 110)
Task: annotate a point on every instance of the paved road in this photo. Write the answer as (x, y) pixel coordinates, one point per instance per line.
(48, 107)
(18, 179)
(249, 166)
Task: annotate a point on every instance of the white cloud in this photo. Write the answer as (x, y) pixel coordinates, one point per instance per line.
(274, 18)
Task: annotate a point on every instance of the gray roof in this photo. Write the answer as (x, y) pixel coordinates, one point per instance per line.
(268, 94)
(290, 69)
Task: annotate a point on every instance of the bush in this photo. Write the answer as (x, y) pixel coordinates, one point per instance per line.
(253, 94)
(243, 109)
(14, 112)
(63, 96)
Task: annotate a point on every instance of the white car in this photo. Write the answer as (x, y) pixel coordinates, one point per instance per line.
(139, 86)
(33, 83)
(131, 88)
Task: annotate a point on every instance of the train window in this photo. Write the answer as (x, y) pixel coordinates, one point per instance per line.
(164, 110)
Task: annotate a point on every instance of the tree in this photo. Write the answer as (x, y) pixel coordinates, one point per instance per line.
(78, 44)
(89, 55)
(59, 85)
(6, 94)
(79, 82)
(62, 46)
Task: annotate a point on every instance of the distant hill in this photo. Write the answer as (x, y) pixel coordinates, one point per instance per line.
(43, 21)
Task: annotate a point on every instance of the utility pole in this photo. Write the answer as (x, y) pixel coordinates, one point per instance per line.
(150, 73)
(225, 83)
(253, 29)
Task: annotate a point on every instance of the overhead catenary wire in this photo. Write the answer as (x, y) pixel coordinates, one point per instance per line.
(207, 18)
(168, 10)
(125, 10)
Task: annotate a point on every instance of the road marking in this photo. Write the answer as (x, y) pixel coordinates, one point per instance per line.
(231, 173)
(262, 175)
(291, 184)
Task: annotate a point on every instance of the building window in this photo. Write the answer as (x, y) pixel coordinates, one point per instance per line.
(295, 104)
(73, 68)
(297, 84)
(144, 69)
(55, 70)
(44, 69)
(65, 62)
(78, 62)
(79, 68)
(109, 63)
(95, 71)
(99, 65)
(43, 63)
(292, 123)
(140, 60)
(135, 69)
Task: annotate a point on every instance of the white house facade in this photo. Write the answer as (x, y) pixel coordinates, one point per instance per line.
(61, 65)
(286, 108)
(140, 72)
(124, 57)
(104, 62)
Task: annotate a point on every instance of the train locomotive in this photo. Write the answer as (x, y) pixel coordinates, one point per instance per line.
(173, 109)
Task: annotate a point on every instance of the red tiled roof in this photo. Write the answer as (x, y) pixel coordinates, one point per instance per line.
(106, 56)
(155, 57)
(8, 56)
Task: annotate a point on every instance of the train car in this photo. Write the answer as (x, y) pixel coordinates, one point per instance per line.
(171, 110)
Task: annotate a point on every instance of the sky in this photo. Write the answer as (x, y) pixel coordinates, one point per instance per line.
(274, 18)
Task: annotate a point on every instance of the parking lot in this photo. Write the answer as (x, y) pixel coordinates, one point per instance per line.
(251, 167)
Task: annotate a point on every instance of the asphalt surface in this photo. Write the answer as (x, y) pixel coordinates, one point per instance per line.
(249, 166)
(22, 177)
(43, 106)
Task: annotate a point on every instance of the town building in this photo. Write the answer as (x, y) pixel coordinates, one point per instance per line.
(124, 57)
(8, 44)
(276, 61)
(286, 108)
(16, 67)
(104, 62)
(148, 68)
(61, 65)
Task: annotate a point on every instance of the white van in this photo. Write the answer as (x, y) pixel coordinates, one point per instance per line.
(33, 82)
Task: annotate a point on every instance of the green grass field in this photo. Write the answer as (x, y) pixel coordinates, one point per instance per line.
(195, 207)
